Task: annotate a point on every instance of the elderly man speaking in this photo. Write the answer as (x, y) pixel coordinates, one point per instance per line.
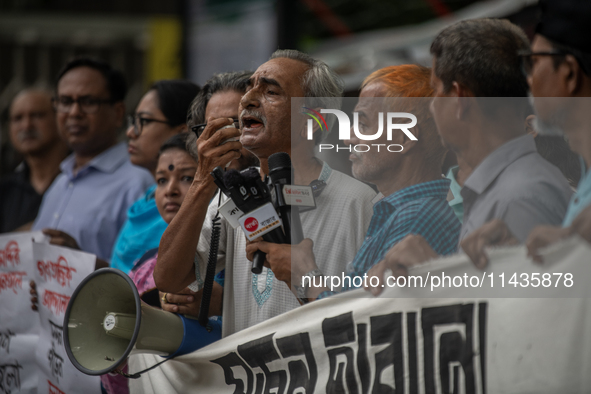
(266, 128)
(414, 191)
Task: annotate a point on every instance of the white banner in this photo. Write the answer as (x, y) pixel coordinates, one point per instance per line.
(455, 343)
(19, 325)
(58, 272)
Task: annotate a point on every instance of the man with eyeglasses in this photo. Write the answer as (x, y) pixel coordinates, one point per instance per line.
(87, 203)
(558, 68)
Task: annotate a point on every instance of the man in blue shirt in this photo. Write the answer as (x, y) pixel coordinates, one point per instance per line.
(414, 190)
(87, 203)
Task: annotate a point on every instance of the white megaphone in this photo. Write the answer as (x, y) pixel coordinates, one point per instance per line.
(106, 321)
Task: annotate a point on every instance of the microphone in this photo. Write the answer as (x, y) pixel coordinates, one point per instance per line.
(281, 173)
(252, 196)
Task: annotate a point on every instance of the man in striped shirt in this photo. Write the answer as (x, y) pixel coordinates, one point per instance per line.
(410, 180)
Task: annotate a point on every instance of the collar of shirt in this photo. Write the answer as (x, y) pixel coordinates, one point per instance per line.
(454, 187)
(23, 171)
(581, 199)
(585, 175)
(108, 161)
(490, 168)
(325, 173)
(388, 204)
(22, 167)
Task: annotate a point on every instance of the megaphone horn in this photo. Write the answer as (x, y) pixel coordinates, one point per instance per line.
(106, 322)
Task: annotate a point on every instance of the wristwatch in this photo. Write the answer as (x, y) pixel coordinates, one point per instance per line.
(302, 289)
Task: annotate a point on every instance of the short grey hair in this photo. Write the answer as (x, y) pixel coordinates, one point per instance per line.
(235, 81)
(482, 54)
(319, 82)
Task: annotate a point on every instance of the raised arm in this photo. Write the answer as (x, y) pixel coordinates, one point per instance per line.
(175, 270)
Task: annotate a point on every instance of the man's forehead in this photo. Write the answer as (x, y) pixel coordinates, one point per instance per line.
(33, 99)
(223, 104)
(82, 81)
(371, 97)
(282, 70)
(540, 43)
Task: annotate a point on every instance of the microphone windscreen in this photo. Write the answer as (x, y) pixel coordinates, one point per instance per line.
(251, 174)
(279, 167)
(233, 178)
(279, 160)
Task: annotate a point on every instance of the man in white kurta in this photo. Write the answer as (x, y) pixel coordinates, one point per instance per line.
(337, 226)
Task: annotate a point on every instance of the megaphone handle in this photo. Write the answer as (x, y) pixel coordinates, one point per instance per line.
(258, 262)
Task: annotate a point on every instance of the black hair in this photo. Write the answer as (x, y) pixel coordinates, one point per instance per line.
(482, 54)
(174, 98)
(177, 141)
(115, 80)
(583, 58)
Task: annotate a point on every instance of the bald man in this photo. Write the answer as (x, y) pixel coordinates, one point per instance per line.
(33, 134)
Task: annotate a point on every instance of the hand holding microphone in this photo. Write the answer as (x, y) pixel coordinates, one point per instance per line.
(216, 146)
(259, 213)
(252, 197)
(280, 257)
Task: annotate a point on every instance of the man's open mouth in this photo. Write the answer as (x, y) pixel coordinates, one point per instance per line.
(250, 122)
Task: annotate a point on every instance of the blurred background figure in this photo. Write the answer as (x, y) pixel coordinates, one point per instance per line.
(161, 114)
(33, 134)
(87, 203)
(194, 39)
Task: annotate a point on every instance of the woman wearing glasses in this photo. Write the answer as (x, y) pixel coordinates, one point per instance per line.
(161, 114)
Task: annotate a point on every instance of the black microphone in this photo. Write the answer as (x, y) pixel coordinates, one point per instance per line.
(249, 193)
(281, 173)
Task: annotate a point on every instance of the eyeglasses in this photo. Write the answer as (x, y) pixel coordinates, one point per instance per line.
(138, 123)
(198, 129)
(527, 64)
(88, 105)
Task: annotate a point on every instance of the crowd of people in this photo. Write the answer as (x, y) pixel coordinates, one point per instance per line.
(147, 207)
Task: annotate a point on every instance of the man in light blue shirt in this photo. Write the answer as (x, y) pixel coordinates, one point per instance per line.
(87, 203)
